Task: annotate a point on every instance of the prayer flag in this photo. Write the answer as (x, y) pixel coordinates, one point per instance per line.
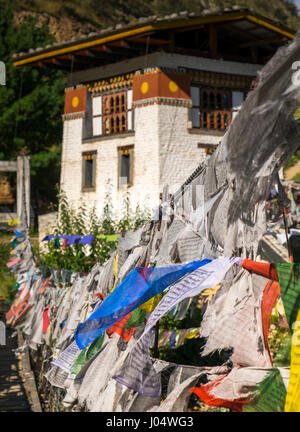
(289, 281)
(139, 286)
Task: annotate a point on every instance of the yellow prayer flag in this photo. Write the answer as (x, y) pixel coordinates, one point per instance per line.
(151, 304)
(116, 266)
(292, 401)
(13, 222)
(192, 333)
(115, 271)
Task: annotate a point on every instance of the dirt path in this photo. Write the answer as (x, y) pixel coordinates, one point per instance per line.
(291, 172)
(12, 392)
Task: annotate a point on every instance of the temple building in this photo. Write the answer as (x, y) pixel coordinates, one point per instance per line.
(146, 102)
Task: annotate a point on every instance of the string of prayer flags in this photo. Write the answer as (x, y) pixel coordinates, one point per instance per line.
(139, 286)
(71, 239)
(176, 338)
(125, 309)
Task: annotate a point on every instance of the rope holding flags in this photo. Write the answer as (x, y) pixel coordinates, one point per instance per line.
(71, 239)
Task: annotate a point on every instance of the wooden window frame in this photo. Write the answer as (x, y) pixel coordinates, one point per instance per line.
(214, 116)
(91, 155)
(114, 113)
(117, 113)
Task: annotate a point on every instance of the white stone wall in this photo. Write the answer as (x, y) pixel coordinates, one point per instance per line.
(165, 152)
(47, 223)
(145, 188)
(71, 163)
(179, 154)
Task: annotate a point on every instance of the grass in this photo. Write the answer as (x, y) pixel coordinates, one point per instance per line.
(297, 177)
(7, 280)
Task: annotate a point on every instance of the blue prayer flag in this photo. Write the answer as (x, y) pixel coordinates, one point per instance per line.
(73, 239)
(18, 233)
(48, 237)
(87, 239)
(139, 286)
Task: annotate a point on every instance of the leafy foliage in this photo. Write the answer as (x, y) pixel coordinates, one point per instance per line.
(293, 159)
(7, 291)
(31, 104)
(103, 13)
(83, 220)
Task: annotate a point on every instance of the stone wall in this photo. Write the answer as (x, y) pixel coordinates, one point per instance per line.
(46, 225)
(165, 152)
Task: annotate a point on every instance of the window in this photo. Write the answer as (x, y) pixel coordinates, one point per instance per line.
(212, 108)
(88, 170)
(215, 108)
(112, 113)
(125, 160)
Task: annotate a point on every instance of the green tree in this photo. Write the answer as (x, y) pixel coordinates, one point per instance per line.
(31, 105)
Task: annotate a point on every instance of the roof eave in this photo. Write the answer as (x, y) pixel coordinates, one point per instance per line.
(147, 27)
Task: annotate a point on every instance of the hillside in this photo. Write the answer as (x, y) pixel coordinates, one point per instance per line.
(72, 18)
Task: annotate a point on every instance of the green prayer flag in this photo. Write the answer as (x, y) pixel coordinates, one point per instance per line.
(269, 396)
(137, 318)
(86, 354)
(289, 281)
(108, 237)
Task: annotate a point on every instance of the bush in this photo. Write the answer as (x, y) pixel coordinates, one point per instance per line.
(7, 291)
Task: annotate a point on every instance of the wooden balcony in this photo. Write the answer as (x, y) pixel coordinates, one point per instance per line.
(214, 119)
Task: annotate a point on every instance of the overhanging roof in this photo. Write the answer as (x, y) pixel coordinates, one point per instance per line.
(236, 34)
